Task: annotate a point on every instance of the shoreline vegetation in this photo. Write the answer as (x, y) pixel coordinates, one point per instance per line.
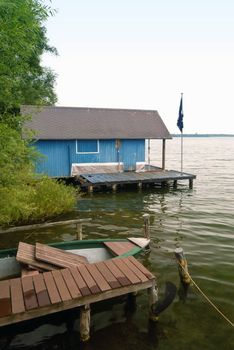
(25, 197)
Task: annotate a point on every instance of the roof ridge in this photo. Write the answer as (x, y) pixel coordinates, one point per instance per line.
(93, 108)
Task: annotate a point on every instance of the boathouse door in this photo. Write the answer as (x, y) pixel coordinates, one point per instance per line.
(128, 155)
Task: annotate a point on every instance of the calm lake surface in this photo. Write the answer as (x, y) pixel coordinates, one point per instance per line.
(200, 220)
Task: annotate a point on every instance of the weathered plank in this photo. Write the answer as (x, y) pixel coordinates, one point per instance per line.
(51, 288)
(135, 270)
(17, 300)
(58, 257)
(61, 285)
(29, 294)
(111, 279)
(80, 282)
(5, 300)
(26, 255)
(122, 279)
(71, 284)
(41, 290)
(141, 267)
(119, 248)
(97, 276)
(127, 272)
(90, 282)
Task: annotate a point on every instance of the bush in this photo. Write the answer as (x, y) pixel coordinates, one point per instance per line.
(41, 199)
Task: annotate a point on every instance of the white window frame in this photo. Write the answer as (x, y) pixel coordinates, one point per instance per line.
(77, 152)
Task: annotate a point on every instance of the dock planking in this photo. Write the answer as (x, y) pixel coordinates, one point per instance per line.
(49, 292)
(157, 176)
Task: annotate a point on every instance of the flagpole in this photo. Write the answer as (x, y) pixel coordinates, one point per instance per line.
(181, 151)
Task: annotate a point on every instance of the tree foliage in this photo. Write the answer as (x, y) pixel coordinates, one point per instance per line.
(23, 80)
(24, 196)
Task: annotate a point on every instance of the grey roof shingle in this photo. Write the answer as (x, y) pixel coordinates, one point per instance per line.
(95, 123)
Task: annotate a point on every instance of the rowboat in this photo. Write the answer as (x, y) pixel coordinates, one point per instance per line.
(90, 251)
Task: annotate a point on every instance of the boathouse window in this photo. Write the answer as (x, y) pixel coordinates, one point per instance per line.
(87, 146)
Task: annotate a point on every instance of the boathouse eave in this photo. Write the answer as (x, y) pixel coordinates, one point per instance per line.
(101, 138)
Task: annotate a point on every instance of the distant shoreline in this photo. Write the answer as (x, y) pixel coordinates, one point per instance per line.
(203, 135)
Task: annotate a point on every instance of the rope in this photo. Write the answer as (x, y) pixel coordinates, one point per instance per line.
(207, 298)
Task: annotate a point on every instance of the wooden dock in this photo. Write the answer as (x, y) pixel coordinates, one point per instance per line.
(49, 292)
(91, 181)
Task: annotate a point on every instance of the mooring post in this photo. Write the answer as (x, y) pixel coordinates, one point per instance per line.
(190, 183)
(114, 187)
(85, 323)
(153, 298)
(146, 226)
(182, 266)
(175, 184)
(139, 185)
(79, 234)
(90, 189)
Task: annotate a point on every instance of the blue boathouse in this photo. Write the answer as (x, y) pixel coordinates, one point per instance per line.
(91, 140)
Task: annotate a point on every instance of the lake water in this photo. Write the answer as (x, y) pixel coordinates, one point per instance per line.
(200, 220)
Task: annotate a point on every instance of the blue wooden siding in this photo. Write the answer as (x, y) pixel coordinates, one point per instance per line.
(60, 154)
(132, 151)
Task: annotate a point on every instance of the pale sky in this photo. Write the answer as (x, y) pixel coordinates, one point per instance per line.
(141, 54)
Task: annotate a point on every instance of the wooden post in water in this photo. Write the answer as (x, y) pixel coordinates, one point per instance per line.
(114, 187)
(146, 226)
(153, 298)
(90, 189)
(182, 266)
(85, 323)
(190, 183)
(139, 185)
(163, 153)
(79, 234)
(175, 184)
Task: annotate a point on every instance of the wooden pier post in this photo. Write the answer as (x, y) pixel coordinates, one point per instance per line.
(146, 226)
(90, 189)
(163, 154)
(175, 184)
(190, 183)
(79, 234)
(85, 323)
(139, 186)
(182, 266)
(114, 187)
(153, 298)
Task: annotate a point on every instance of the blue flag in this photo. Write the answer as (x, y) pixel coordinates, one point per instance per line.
(180, 123)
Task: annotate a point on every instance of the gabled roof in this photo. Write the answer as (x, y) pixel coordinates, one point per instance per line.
(95, 123)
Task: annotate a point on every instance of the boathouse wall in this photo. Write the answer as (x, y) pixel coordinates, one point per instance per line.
(59, 155)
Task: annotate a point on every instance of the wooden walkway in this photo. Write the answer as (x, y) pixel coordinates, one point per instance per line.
(57, 290)
(140, 178)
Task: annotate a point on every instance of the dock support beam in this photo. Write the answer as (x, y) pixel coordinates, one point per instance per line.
(149, 152)
(175, 184)
(153, 298)
(139, 186)
(163, 153)
(182, 266)
(114, 187)
(85, 323)
(90, 189)
(190, 183)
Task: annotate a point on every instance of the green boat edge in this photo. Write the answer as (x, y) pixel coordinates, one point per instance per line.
(89, 243)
